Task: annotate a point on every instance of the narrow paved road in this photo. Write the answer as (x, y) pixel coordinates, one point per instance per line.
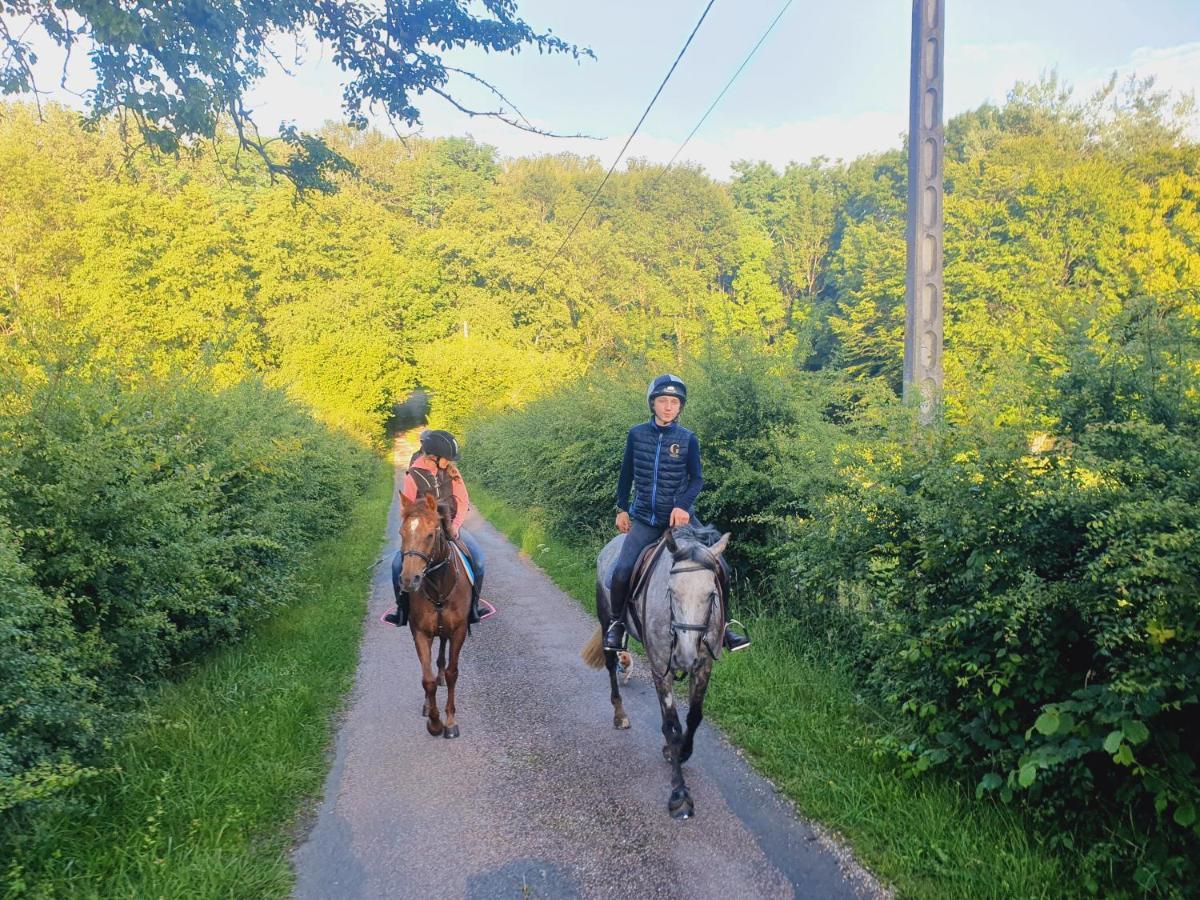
(541, 796)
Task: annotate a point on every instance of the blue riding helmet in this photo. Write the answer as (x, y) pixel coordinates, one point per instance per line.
(667, 386)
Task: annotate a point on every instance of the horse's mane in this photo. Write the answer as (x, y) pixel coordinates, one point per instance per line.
(705, 534)
(419, 509)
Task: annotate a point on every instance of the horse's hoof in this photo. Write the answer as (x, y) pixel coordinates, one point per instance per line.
(451, 732)
(680, 805)
(621, 722)
(434, 728)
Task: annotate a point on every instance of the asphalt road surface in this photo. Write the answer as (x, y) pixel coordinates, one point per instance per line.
(540, 796)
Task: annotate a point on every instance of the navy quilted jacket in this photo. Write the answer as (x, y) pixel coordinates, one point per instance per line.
(662, 467)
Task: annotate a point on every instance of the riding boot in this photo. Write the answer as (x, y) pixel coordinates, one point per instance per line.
(734, 641)
(399, 618)
(473, 614)
(615, 638)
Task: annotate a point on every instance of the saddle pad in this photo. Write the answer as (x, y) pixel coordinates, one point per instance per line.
(466, 561)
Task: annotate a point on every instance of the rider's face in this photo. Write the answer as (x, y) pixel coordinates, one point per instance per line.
(666, 409)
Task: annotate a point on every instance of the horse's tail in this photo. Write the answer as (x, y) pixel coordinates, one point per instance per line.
(593, 650)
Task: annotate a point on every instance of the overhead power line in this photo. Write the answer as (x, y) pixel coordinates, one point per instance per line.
(728, 84)
(628, 141)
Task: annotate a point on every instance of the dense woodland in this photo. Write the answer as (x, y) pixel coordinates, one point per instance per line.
(1016, 585)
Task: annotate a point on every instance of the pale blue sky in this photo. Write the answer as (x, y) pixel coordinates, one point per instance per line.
(831, 79)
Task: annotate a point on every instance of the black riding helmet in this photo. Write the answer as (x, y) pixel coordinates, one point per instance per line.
(667, 386)
(439, 443)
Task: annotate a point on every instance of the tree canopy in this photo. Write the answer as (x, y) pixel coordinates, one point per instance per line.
(174, 71)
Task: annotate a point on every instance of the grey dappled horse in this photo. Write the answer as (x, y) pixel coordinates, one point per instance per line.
(679, 620)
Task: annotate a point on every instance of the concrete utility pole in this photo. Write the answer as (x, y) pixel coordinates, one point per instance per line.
(923, 287)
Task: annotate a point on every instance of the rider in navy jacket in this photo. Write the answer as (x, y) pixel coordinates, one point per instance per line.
(662, 468)
(662, 465)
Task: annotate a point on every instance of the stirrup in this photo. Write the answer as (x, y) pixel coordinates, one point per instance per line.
(616, 638)
(734, 641)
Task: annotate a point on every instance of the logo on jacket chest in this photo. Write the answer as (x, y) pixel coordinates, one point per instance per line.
(674, 450)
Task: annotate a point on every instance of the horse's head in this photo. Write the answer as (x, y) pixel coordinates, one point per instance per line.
(695, 605)
(423, 545)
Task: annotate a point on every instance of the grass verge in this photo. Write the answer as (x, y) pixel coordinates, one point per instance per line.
(204, 800)
(803, 724)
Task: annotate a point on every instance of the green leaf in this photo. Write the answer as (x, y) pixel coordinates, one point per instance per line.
(1135, 732)
(1124, 755)
(1185, 814)
(1047, 722)
(1113, 741)
(1028, 775)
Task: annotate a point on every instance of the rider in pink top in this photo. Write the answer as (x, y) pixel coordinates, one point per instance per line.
(432, 471)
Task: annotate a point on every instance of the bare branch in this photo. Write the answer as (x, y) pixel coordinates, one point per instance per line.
(491, 87)
(500, 116)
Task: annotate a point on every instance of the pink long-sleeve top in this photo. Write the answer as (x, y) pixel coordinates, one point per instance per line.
(462, 502)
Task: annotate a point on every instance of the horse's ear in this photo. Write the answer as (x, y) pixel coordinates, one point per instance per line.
(719, 547)
(405, 506)
(431, 503)
(670, 538)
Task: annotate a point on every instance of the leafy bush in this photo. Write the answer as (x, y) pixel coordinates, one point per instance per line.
(142, 526)
(1033, 614)
(51, 710)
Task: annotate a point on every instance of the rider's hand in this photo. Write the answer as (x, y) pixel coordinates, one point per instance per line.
(679, 517)
(623, 522)
(453, 532)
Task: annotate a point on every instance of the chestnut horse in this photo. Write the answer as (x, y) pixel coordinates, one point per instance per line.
(439, 593)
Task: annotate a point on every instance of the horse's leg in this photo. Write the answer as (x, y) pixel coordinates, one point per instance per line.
(456, 642)
(424, 644)
(620, 720)
(441, 660)
(680, 804)
(696, 690)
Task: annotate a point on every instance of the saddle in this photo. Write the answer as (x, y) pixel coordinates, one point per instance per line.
(643, 566)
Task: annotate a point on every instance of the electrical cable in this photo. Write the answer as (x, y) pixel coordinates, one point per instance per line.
(628, 141)
(728, 84)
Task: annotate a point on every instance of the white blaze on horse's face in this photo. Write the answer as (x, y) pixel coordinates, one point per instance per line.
(413, 567)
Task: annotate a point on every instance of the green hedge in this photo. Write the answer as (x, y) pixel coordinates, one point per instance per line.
(1033, 615)
(1026, 608)
(140, 526)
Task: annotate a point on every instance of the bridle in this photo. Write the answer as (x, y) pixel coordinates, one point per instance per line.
(711, 564)
(437, 597)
